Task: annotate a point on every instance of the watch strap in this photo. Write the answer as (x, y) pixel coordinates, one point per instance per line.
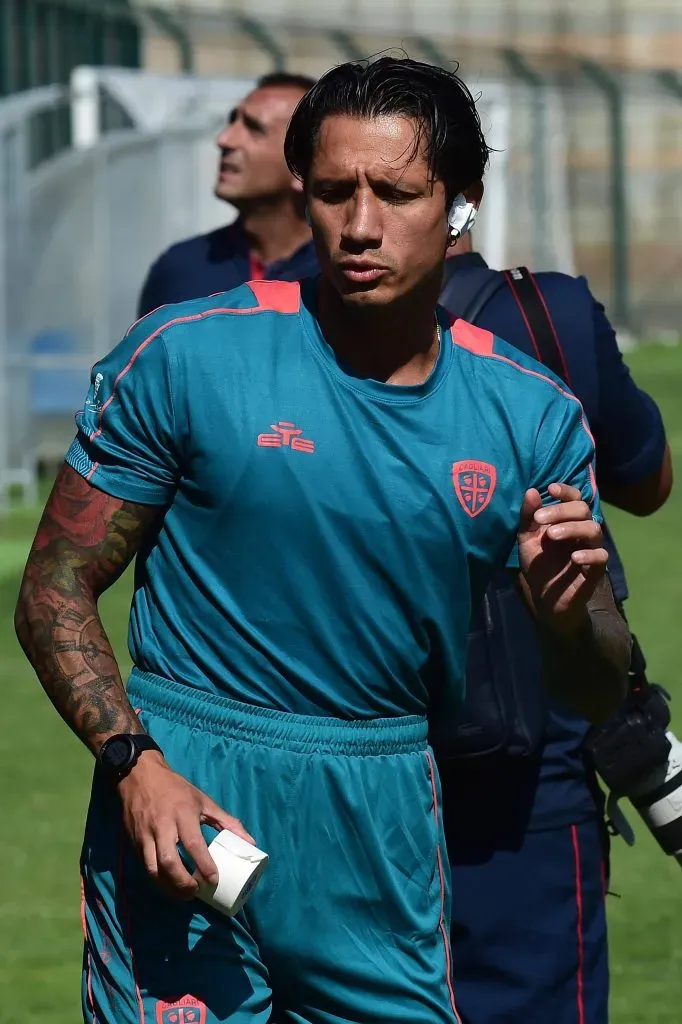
(135, 743)
(144, 742)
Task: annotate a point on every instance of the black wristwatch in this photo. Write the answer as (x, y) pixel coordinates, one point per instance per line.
(118, 755)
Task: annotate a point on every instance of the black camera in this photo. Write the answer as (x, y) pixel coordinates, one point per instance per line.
(638, 757)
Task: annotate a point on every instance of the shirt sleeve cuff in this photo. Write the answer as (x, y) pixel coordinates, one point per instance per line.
(114, 480)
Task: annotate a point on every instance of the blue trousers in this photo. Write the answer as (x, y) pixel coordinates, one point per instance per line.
(528, 931)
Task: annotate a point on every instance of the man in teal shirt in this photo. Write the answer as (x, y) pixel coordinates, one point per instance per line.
(318, 482)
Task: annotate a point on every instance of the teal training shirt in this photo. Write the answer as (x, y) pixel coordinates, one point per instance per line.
(325, 536)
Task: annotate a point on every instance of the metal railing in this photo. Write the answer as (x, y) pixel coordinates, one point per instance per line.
(617, 32)
(79, 228)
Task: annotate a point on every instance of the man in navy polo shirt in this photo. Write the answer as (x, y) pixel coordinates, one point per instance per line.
(526, 836)
(270, 238)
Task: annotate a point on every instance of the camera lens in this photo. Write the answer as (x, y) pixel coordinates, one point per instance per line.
(658, 799)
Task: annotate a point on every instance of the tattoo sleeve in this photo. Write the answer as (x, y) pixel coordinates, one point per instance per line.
(84, 542)
(588, 672)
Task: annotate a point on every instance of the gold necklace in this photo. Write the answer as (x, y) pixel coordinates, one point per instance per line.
(439, 339)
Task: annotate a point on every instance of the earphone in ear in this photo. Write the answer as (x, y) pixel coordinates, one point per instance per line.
(461, 217)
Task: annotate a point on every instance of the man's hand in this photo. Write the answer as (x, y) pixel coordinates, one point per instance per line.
(585, 642)
(161, 808)
(561, 556)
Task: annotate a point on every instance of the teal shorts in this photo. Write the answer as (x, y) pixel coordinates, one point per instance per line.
(350, 921)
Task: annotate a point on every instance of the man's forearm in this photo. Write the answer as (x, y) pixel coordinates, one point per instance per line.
(84, 542)
(67, 645)
(587, 671)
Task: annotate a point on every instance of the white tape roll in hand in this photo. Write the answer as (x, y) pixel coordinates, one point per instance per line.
(240, 865)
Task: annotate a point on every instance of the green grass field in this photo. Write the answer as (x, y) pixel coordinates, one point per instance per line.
(45, 778)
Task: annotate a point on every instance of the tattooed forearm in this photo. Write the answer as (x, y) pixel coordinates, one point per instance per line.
(84, 542)
(71, 654)
(588, 672)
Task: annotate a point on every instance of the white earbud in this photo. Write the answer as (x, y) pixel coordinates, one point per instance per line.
(461, 217)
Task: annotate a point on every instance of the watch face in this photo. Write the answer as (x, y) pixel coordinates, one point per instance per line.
(120, 752)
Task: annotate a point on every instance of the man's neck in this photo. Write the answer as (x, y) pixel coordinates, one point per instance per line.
(274, 231)
(396, 344)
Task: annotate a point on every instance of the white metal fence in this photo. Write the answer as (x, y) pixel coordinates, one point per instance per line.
(78, 231)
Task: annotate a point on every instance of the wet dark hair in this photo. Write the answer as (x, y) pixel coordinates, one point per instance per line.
(278, 79)
(448, 123)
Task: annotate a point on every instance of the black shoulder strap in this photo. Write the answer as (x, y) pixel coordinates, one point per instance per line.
(466, 292)
(537, 319)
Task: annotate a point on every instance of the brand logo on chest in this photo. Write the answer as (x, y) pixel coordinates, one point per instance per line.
(474, 484)
(286, 435)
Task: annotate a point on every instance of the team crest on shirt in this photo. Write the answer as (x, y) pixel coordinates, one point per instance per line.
(474, 484)
(187, 1010)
